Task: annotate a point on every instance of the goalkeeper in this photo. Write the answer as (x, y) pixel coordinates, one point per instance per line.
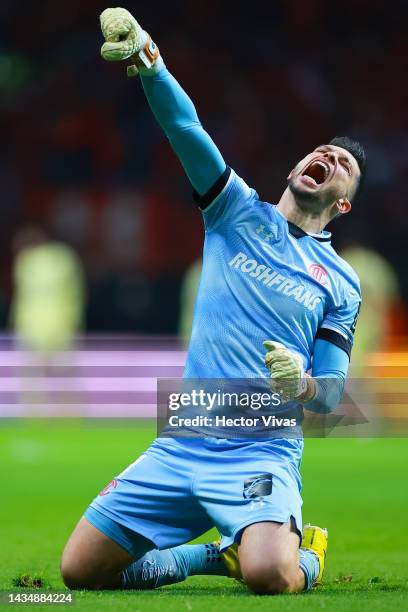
(271, 281)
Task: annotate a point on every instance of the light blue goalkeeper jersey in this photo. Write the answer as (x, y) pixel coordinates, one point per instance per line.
(264, 278)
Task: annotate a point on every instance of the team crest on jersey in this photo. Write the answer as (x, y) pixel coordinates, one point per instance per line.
(319, 273)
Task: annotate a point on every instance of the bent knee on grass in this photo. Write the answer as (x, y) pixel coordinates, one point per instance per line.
(272, 578)
(91, 560)
(269, 558)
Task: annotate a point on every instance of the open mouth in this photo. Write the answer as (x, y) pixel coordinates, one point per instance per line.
(317, 171)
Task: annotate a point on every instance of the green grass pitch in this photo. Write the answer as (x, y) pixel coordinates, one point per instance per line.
(50, 471)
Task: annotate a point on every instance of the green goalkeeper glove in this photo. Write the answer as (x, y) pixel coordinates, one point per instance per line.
(288, 375)
(126, 39)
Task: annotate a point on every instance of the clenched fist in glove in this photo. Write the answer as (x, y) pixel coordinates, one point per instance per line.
(126, 39)
(287, 372)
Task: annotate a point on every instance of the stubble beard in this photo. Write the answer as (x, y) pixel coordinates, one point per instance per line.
(306, 200)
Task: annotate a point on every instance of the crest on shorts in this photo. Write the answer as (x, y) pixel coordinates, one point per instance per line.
(112, 485)
(258, 486)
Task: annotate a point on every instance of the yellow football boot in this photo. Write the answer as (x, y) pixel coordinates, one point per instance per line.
(231, 560)
(315, 539)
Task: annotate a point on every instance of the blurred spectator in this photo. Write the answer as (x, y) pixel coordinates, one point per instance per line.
(189, 290)
(380, 291)
(48, 298)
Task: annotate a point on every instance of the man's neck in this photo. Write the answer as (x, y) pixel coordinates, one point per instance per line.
(312, 222)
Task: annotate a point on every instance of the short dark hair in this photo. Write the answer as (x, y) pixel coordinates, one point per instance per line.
(359, 154)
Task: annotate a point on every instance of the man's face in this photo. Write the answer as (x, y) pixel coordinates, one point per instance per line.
(324, 177)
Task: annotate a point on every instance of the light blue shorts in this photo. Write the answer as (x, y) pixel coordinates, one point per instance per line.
(179, 489)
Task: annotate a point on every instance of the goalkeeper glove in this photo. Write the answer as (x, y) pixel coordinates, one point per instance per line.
(126, 39)
(288, 375)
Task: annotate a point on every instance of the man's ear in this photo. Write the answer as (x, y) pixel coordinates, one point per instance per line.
(342, 206)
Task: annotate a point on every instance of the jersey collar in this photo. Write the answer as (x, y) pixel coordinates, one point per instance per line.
(297, 232)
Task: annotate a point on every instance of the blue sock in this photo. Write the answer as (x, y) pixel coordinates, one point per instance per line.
(202, 559)
(161, 567)
(309, 564)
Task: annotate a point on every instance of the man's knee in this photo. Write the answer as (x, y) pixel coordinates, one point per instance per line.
(76, 576)
(268, 555)
(266, 578)
(78, 573)
(91, 560)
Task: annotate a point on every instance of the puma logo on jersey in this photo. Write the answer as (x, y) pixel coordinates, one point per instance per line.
(271, 278)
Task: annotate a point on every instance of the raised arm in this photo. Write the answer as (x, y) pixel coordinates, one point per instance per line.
(172, 107)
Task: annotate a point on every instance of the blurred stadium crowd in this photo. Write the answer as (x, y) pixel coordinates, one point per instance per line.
(82, 157)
